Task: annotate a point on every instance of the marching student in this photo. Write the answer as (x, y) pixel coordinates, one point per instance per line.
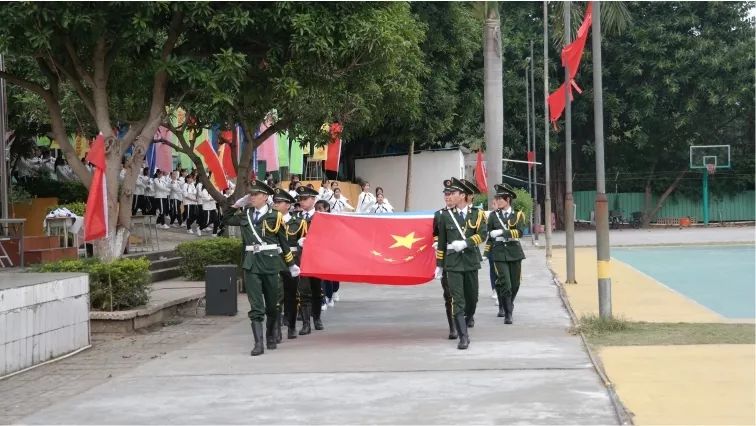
(505, 228)
(175, 199)
(138, 203)
(209, 212)
(162, 192)
(191, 204)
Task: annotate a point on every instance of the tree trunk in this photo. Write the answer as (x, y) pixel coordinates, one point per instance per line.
(408, 188)
(493, 96)
(648, 216)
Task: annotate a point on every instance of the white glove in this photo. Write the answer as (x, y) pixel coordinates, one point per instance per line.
(496, 233)
(459, 245)
(294, 270)
(439, 272)
(435, 245)
(241, 202)
(301, 241)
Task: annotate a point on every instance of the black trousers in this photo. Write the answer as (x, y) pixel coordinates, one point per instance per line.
(139, 202)
(174, 210)
(162, 210)
(311, 294)
(208, 217)
(290, 297)
(193, 215)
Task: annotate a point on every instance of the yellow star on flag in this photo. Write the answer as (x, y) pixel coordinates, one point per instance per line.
(405, 241)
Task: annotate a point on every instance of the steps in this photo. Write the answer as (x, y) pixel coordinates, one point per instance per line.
(39, 249)
(164, 265)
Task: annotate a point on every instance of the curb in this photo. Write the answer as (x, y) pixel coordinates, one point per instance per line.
(624, 416)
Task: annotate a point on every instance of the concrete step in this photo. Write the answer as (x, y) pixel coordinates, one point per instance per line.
(32, 257)
(164, 263)
(164, 274)
(153, 255)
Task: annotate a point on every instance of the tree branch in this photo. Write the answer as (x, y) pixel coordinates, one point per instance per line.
(26, 84)
(82, 91)
(100, 88)
(73, 56)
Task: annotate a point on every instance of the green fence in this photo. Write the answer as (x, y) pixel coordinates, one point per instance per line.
(740, 207)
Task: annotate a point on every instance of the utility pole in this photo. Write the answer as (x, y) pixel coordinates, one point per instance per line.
(546, 154)
(602, 204)
(537, 207)
(493, 96)
(4, 171)
(528, 64)
(569, 219)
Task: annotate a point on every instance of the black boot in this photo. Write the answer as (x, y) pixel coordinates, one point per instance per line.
(284, 319)
(470, 321)
(270, 332)
(318, 323)
(502, 308)
(461, 323)
(508, 307)
(305, 312)
(257, 333)
(279, 335)
(291, 332)
(452, 329)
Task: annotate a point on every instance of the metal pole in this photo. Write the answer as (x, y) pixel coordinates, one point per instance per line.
(527, 125)
(3, 149)
(547, 164)
(537, 207)
(706, 197)
(602, 205)
(569, 219)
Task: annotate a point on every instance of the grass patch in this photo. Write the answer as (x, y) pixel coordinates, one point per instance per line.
(620, 332)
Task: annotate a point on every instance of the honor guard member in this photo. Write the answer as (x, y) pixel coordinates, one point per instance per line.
(505, 227)
(437, 221)
(310, 290)
(266, 252)
(287, 296)
(296, 228)
(461, 229)
(472, 190)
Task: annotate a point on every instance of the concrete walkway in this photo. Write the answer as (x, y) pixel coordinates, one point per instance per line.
(383, 359)
(660, 236)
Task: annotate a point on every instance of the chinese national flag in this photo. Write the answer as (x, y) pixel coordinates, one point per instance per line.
(480, 174)
(96, 214)
(392, 250)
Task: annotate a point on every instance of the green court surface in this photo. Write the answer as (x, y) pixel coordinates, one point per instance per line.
(722, 278)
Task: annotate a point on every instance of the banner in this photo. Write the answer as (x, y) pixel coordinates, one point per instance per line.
(96, 214)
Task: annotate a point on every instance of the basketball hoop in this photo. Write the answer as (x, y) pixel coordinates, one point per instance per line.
(711, 168)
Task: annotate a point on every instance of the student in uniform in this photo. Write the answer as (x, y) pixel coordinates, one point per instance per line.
(138, 203)
(162, 192)
(460, 230)
(191, 204)
(437, 221)
(209, 212)
(296, 228)
(309, 287)
(339, 203)
(175, 199)
(366, 199)
(505, 228)
(266, 254)
(381, 205)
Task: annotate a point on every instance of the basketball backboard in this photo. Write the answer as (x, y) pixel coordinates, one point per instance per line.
(704, 156)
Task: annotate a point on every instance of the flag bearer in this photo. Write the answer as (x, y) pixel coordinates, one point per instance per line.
(296, 228)
(263, 234)
(505, 227)
(310, 290)
(437, 221)
(470, 192)
(460, 231)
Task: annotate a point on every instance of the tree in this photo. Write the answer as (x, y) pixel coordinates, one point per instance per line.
(117, 59)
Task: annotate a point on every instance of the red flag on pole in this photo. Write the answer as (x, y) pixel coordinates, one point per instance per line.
(96, 214)
(391, 250)
(334, 148)
(208, 155)
(480, 174)
(531, 159)
(226, 151)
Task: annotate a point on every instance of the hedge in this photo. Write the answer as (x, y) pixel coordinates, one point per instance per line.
(119, 285)
(197, 254)
(66, 192)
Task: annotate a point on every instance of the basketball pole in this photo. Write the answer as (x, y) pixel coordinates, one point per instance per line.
(602, 205)
(706, 196)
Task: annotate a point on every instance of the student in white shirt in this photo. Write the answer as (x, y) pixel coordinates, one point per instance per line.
(162, 192)
(139, 200)
(339, 203)
(175, 199)
(191, 203)
(366, 199)
(381, 205)
(209, 213)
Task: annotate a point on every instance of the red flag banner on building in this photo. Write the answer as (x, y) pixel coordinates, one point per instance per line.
(334, 148)
(96, 214)
(480, 173)
(213, 164)
(391, 250)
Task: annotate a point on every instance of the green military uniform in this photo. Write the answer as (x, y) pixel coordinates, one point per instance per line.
(263, 235)
(506, 251)
(437, 220)
(461, 267)
(296, 228)
(310, 288)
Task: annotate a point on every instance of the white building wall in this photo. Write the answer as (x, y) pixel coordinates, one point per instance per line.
(429, 169)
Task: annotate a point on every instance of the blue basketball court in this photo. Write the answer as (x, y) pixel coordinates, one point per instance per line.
(722, 278)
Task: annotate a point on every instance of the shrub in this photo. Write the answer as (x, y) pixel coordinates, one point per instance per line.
(121, 284)
(75, 208)
(196, 255)
(67, 192)
(523, 202)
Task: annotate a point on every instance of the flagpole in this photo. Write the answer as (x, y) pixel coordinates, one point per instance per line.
(569, 219)
(527, 125)
(537, 207)
(546, 135)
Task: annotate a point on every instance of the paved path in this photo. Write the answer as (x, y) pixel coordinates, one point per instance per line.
(660, 236)
(383, 359)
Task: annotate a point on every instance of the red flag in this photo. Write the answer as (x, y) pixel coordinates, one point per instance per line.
(96, 214)
(480, 174)
(334, 148)
(210, 158)
(392, 250)
(573, 52)
(226, 151)
(531, 159)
